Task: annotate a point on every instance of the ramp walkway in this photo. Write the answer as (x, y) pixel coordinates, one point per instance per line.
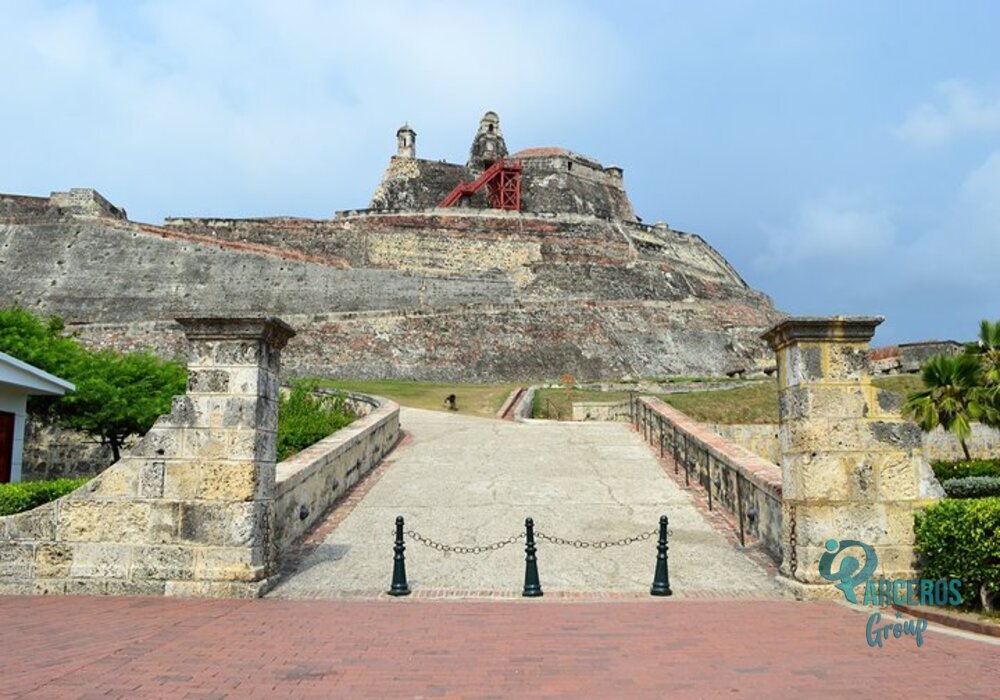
(469, 481)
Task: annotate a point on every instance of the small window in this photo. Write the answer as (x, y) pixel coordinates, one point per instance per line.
(569, 165)
(491, 128)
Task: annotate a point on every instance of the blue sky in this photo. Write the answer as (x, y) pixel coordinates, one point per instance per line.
(845, 156)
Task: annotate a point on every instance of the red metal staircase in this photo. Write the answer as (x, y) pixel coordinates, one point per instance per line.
(502, 180)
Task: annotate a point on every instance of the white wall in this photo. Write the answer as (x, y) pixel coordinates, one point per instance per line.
(13, 401)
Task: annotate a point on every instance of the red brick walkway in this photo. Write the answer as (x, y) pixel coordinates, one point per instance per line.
(160, 648)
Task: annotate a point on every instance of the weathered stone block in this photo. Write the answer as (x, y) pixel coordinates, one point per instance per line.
(100, 560)
(231, 563)
(240, 353)
(898, 476)
(162, 563)
(116, 482)
(85, 586)
(16, 561)
(207, 443)
(96, 521)
(229, 481)
(209, 381)
(150, 480)
(15, 587)
(145, 587)
(53, 560)
(181, 480)
(807, 436)
(897, 434)
(80, 521)
(214, 589)
(49, 586)
(164, 522)
(36, 524)
(823, 478)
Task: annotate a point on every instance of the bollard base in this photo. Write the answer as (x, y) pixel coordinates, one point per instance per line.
(532, 593)
(660, 591)
(398, 591)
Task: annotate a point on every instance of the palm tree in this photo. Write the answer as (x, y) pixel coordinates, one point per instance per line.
(953, 397)
(988, 349)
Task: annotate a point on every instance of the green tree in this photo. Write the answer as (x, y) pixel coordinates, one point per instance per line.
(952, 397)
(116, 395)
(987, 350)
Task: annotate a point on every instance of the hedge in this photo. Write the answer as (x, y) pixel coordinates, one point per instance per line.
(972, 487)
(963, 468)
(305, 417)
(15, 498)
(961, 539)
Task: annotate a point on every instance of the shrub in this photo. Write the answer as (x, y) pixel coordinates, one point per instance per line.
(963, 468)
(961, 539)
(304, 417)
(972, 487)
(15, 498)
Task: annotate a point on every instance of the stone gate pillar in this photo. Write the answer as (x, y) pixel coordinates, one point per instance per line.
(851, 467)
(222, 471)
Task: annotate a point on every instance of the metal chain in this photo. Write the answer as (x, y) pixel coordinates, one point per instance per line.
(601, 544)
(793, 556)
(457, 549)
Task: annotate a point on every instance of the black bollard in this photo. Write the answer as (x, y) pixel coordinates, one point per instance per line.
(532, 586)
(661, 579)
(399, 585)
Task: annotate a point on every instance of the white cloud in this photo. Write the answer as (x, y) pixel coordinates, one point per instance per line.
(964, 248)
(960, 110)
(831, 229)
(216, 104)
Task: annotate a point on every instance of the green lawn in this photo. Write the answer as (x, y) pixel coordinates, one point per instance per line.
(472, 399)
(756, 403)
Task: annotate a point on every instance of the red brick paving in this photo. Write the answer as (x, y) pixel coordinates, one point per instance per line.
(70, 647)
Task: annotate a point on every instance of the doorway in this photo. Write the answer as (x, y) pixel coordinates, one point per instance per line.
(6, 445)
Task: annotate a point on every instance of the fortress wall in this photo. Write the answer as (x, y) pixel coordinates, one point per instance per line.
(85, 271)
(514, 342)
(478, 241)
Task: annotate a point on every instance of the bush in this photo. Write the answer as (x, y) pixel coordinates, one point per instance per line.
(15, 498)
(964, 468)
(961, 539)
(972, 487)
(305, 417)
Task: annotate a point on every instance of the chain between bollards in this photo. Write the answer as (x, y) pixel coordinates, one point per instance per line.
(532, 586)
(399, 585)
(661, 579)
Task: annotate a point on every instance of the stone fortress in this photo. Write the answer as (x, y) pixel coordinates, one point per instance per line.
(566, 280)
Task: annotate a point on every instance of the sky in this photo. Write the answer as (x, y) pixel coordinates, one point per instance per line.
(844, 156)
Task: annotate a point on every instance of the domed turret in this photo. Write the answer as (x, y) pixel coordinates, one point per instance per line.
(488, 144)
(406, 142)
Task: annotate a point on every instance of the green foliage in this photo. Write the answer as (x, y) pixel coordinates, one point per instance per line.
(972, 487)
(305, 417)
(951, 398)
(961, 539)
(963, 468)
(116, 395)
(15, 498)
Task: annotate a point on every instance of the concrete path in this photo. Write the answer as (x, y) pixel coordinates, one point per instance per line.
(472, 481)
(136, 648)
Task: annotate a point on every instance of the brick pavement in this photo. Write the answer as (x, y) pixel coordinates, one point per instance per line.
(167, 648)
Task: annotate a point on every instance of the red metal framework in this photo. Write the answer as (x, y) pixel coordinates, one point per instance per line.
(503, 186)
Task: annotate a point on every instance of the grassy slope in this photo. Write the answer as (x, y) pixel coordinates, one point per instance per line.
(757, 403)
(472, 399)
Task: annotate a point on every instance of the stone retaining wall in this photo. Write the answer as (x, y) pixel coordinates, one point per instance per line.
(310, 481)
(735, 479)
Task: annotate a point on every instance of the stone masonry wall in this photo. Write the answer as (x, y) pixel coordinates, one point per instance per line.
(737, 481)
(310, 481)
(189, 511)
(852, 468)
